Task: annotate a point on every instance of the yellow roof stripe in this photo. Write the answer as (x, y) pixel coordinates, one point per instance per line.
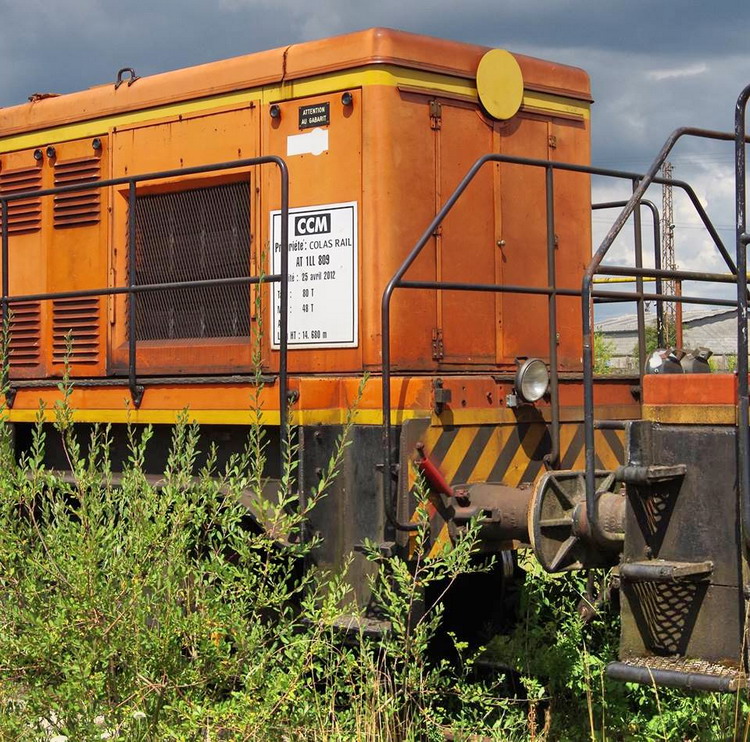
(388, 75)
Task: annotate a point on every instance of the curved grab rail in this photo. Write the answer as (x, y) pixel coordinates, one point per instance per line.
(397, 282)
(651, 206)
(586, 293)
(132, 290)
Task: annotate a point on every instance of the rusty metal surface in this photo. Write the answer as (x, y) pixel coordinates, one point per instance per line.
(684, 523)
(660, 570)
(679, 672)
(502, 512)
(558, 522)
(351, 510)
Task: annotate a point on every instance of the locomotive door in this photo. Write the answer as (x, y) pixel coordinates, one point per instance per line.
(187, 229)
(524, 238)
(77, 258)
(320, 139)
(56, 244)
(466, 325)
(524, 235)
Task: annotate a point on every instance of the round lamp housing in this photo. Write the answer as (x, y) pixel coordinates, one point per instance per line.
(532, 380)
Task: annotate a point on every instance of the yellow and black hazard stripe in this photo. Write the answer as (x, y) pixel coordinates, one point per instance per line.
(509, 454)
(513, 454)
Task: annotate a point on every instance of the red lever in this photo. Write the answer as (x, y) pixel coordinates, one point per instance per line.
(432, 474)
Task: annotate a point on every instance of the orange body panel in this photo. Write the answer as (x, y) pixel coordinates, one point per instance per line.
(324, 399)
(690, 389)
(690, 399)
(285, 65)
(413, 128)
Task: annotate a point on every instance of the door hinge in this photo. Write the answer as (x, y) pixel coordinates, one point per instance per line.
(438, 351)
(436, 114)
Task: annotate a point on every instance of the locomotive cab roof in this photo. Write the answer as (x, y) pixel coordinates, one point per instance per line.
(278, 70)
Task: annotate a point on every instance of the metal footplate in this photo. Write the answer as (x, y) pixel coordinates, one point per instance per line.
(679, 672)
(662, 570)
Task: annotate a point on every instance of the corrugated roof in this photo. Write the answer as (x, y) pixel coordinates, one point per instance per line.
(629, 322)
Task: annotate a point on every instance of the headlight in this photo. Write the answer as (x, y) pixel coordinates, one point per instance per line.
(532, 380)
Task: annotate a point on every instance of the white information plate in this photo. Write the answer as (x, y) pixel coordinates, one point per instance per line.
(323, 285)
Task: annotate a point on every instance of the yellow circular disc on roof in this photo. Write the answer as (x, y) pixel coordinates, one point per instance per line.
(500, 84)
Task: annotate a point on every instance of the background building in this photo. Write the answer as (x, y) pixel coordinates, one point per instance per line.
(715, 329)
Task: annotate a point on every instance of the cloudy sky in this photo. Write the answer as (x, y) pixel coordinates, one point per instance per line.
(654, 66)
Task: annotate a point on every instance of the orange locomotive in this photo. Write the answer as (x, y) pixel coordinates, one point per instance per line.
(376, 129)
(165, 233)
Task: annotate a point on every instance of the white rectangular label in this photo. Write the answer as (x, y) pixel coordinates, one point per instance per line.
(323, 283)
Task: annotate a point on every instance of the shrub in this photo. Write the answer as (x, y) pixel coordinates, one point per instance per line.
(143, 612)
(156, 613)
(604, 349)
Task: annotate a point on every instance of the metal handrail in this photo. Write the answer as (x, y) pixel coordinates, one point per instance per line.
(132, 290)
(742, 237)
(587, 294)
(593, 268)
(639, 254)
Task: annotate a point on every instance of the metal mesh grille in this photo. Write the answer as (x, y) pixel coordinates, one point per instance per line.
(193, 235)
(686, 664)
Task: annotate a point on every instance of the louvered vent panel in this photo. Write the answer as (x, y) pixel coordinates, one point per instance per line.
(78, 208)
(78, 318)
(25, 214)
(25, 333)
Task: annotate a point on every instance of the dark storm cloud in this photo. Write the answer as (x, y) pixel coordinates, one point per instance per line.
(675, 26)
(654, 66)
(73, 39)
(71, 44)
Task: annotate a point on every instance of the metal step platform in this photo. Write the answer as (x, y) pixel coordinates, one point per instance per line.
(679, 672)
(661, 570)
(682, 587)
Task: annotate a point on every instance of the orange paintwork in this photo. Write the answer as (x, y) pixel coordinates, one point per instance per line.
(690, 389)
(475, 399)
(285, 65)
(392, 151)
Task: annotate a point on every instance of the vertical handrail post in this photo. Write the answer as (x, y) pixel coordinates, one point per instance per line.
(743, 435)
(587, 309)
(660, 339)
(641, 314)
(4, 214)
(4, 380)
(136, 392)
(284, 313)
(551, 459)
